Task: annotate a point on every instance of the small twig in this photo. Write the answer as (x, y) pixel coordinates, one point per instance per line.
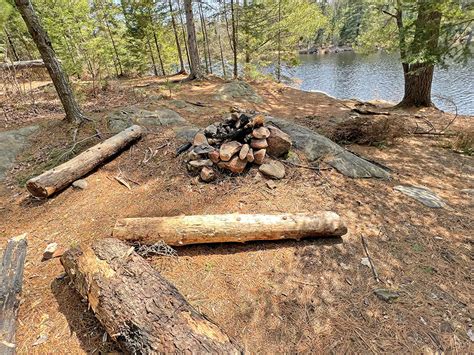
(370, 112)
(98, 133)
(74, 134)
(435, 134)
(74, 146)
(428, 122)
(152, 153)
(366, 249)
(317, 168)
(198, 103)
(455, 114)
(122, 181)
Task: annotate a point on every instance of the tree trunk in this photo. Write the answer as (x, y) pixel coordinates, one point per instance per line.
(418, 79)
(196, 70)
(176, 38)
(114, 47)
(155, 70)
(419, 76)
(207, 49)
(203, 39)
(138, 308)
(59, 78)
(229, 36)
(23, 64)
(184, 35)
(221, 51)
(234, 38)
(183, 230)
(157, 45)
(60, 177)
(245, 28)
(160, 59)
(11, 278)
(279, 43)
(12, 46)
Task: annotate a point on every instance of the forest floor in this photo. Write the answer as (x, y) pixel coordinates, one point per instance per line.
(272, 297)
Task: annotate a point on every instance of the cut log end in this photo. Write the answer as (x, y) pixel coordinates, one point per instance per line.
(36, 190)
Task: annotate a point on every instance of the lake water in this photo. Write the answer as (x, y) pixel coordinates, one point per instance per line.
(379, 76)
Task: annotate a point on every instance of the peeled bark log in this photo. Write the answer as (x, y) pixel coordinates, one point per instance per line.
(183, 230)
(63, 175)
(140, 309)
(11, 278)
(23, 64)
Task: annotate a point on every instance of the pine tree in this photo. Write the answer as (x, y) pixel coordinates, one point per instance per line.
(59, 78)
(196, 69)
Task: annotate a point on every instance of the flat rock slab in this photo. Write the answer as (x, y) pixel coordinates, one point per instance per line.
(237, 90)
(121, 119)
(183, 105)
(273, 169)
(186, 133)
(11, 143)
(423, 195)
(316, 147)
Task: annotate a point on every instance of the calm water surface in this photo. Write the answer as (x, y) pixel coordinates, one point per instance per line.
(379, 76)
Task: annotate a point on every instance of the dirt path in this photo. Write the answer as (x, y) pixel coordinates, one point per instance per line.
(308, 296)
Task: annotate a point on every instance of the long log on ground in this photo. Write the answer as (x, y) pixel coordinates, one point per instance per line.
(183, 230)
(60, 177)
(23, 64)
(11, 278)
(139, 308)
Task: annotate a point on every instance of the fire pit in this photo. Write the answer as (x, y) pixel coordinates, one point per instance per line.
(237, 142)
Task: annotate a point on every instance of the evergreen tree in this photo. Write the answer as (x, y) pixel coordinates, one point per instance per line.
(58, 76)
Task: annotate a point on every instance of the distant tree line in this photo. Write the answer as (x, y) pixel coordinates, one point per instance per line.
(100, 39)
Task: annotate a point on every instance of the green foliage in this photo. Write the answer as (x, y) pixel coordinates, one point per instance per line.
(417, 35)
(377, 32)
(99, 39)
(271, 25)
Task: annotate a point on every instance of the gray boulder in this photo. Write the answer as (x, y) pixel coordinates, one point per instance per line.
(121, 119)
(237, 90)
(422, 194)
(11, 143)
(316, 146)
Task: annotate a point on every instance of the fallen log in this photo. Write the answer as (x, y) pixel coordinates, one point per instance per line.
(60, 177)
(23, 64)
(183, 230)
(11, 278)
(139, 308)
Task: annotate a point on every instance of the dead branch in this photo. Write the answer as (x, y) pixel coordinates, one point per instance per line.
(372, 266)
